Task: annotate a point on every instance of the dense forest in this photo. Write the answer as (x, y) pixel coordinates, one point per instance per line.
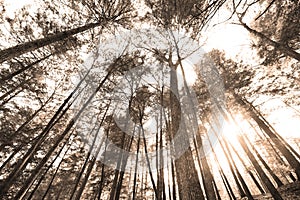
(121, 99)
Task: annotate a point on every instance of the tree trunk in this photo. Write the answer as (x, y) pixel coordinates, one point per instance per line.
(223, 176)
(124, 163)
(249, 171)
(26, 47)
(53, 176)
(99, 191)
(23, 69)
(233, 171)
(148, 163)
(187, 179)
(244, 185)
(273, 175)
(20, 85)
(230, 162)
(294, 163)
(261, 173)
(121, 162)
(136, 165)
(31, 151)
(22, 163)
(286, 50)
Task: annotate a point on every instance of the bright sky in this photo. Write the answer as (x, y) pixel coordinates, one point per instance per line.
(285, 120)
(231, 38)
(235, 41)
(12, 5)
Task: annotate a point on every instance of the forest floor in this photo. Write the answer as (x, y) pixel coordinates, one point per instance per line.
(289, 192)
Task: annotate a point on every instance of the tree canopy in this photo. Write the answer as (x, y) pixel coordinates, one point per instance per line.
(120, 99)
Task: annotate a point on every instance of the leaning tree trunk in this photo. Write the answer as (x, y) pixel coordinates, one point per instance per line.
(294, 163)
(198, 143)
(26, 47)
(13, 176)
(122, 173)
(89, 161)
(242, 181)
(276, 154)
(188, 182)
(261, 173)
(260, 188)
(38, 141)
(273, 175)
(23, 69)
(222, 174)
(233, 171)
(14, 90)
(135, 168)
(286, 50)
(17, 149)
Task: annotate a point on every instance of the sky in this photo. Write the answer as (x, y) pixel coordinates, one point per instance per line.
(235, 41)
(229, 37)
(13, 5)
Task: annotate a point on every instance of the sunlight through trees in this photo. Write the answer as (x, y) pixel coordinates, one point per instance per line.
(117, 99)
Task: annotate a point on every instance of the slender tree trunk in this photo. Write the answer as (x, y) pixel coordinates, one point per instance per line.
(296, 154)
(162, 177)
(276, 154)
(12, 155)
(244, 185)
(188, 183)
(260, 171)
(94, 157)
(233, 171)
(26, 47)
(11, 97)
(14, 90)
(39, 167)
(275, 178)
(119, 164)
(158, 181)
(147, 159)
(52, 149)
(90, 160)
(170, 158)
(285, 49)
(217, 191)
(53, 176)
(159, 156)
(260, 188)
(223, 176)
(124, 163)
(99, 192)
(230, 162)
(173, 180)
(136, 165)
(49, 167)
(87, 162)
(294, 163)
(31, 151)
(249, 171)
(23, 69)
(22, 163)
(34, 114)
(273, 175)
(227, 186)
(258, 168)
